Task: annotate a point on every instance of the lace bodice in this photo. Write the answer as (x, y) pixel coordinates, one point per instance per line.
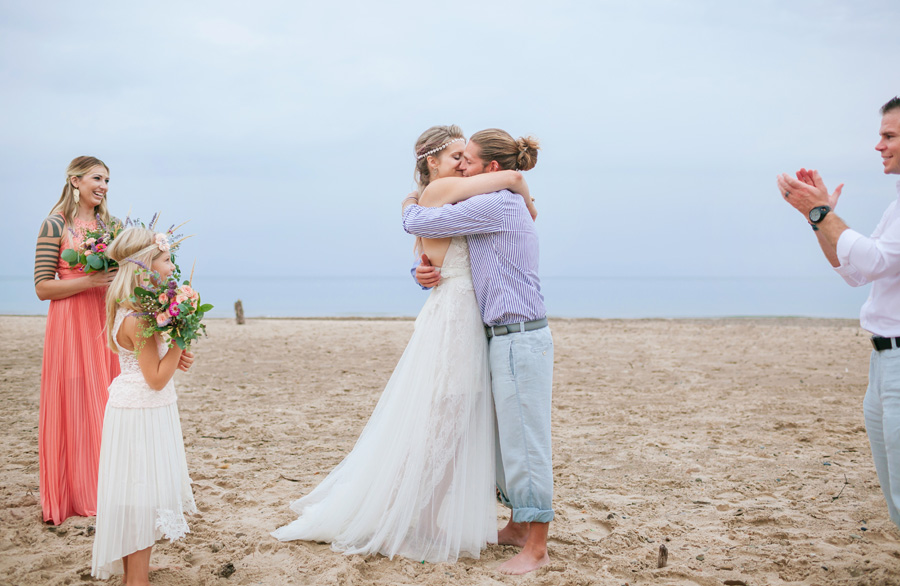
(457, 270)
(129, 390)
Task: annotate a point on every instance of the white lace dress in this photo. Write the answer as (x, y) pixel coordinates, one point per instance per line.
(420, 480)
(143, 488)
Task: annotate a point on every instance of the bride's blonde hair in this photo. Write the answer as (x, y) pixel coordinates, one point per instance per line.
(432, 142)
(138, 246)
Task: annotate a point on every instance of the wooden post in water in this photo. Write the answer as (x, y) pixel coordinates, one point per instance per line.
(239, 312)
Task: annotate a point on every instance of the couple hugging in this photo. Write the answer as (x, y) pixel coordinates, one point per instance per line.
(465, 415)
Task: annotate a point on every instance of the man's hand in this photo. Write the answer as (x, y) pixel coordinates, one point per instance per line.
(427, 275)
(813, 178)
(807, 191)
(187, 359)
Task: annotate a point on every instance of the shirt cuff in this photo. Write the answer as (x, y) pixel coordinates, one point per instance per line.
(844, 245)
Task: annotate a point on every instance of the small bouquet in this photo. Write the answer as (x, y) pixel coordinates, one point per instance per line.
(171, 309)
(91, 255)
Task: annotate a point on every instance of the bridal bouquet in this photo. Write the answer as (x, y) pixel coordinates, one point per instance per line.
(91, 255)
(171, 309)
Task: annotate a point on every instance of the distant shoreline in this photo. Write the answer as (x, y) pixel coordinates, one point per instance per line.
(774, 319)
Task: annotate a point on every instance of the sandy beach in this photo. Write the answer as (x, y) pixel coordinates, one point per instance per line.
(739, 444)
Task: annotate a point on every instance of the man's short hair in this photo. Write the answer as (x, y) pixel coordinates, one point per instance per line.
(892, 104)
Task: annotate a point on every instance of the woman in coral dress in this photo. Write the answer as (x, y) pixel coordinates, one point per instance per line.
(78, 366)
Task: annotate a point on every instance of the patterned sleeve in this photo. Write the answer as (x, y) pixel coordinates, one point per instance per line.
(478, 215)
(46, 254)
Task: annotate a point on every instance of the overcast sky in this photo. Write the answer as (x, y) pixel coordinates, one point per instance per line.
(284, 130)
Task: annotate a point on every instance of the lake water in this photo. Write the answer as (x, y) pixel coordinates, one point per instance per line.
(825, 296)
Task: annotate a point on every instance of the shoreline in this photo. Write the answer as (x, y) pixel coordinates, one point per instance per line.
(762, 318)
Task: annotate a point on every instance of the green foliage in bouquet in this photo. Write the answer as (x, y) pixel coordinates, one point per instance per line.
(171, 309)
(91, 255)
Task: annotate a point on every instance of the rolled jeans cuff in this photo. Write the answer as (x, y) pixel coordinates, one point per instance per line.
(532, 515)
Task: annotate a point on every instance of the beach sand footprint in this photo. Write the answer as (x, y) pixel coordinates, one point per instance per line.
(590, 528)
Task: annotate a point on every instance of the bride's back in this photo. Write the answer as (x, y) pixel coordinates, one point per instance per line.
(436, 249)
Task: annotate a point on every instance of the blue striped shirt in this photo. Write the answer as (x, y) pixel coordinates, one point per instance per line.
(503, 247)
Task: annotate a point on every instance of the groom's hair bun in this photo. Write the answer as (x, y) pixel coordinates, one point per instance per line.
(528, 152)
(498, 145)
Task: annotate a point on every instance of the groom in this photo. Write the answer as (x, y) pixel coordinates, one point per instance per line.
(503, 247)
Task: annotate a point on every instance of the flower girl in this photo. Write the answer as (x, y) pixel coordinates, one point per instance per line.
(143, 488)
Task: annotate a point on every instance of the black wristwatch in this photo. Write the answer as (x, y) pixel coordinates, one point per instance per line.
(817, 214)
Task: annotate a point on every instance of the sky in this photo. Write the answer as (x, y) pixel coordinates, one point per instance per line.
(284, 130)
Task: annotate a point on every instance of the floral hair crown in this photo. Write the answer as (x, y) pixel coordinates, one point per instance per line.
(440, 148)
(167, 241)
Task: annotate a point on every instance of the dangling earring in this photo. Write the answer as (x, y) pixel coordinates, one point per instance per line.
(76, 194)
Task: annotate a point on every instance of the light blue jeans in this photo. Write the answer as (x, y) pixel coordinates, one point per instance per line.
(522, 382)
(882, 410)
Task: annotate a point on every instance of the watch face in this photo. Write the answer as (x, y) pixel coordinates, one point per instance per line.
(817, 213)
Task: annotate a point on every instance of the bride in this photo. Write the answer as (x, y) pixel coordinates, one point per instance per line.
(420, 480)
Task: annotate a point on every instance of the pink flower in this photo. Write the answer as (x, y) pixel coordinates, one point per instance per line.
(180, 297)
(173, 310)
(163, 298)
(101, 247)
(162, 319)
(162, 242)
(89, 242)
(187, 290)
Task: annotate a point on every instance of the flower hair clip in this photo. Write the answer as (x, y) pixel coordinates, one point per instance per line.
(162, 241)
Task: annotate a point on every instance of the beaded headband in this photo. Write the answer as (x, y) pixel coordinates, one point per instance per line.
(442, 147)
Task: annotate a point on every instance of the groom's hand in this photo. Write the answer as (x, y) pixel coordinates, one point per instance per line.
(427, 275)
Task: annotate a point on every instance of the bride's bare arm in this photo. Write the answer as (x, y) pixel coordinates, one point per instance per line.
(456, 189)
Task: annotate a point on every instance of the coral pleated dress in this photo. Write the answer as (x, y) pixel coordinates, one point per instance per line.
(77, 369)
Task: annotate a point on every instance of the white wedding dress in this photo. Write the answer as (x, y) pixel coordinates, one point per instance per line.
(420, 480)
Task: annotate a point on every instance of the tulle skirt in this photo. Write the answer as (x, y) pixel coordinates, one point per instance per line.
(143, 489)
(76, 372)
(420, 480)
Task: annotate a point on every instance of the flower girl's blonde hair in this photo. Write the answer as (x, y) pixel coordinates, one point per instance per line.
(138, 245)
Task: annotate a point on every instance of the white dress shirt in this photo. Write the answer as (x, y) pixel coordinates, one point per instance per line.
(875, 260)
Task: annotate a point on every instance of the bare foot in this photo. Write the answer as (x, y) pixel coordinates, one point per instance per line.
(513, 534)
(523, 562)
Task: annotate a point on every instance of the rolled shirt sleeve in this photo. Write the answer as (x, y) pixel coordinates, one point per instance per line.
(481, 214)
(847, 271)
(864, 260)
